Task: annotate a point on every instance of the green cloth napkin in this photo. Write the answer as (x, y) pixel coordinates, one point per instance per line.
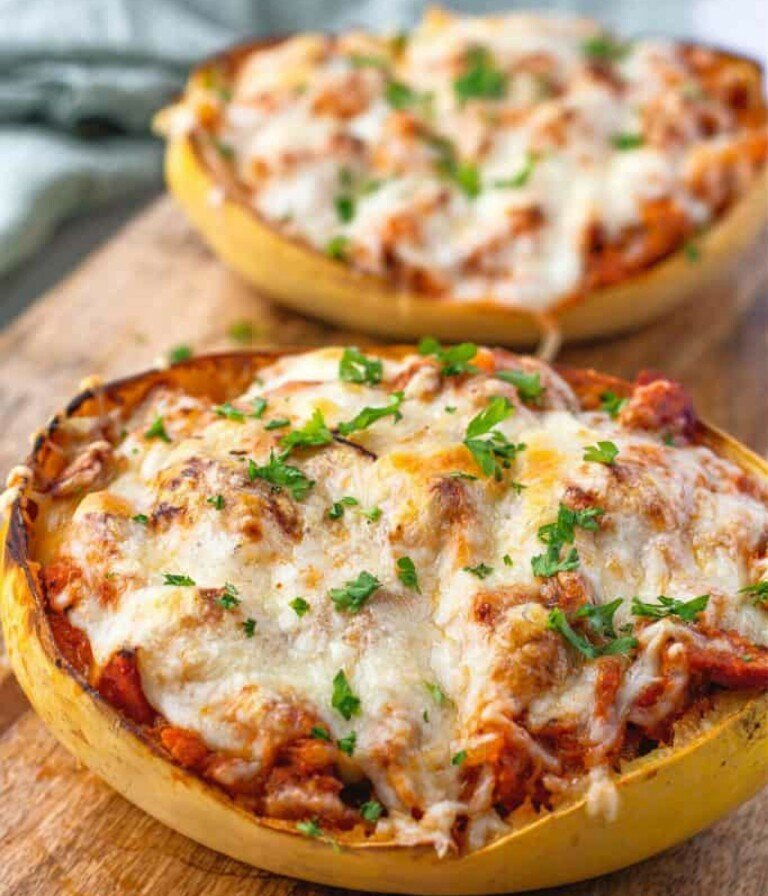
(81, 79)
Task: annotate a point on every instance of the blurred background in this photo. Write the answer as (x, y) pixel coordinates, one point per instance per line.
(81, 79)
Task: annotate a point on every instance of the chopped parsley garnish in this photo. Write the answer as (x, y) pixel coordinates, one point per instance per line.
(600, 617)
(347, 743)
(454, 359)
(464, 175)
(216, 501)
(171, 578)
(309, 828)
(627, 141)
(141, 518)
(299, 606)
(344, 204)
(687, 610)
(372, 514)
(602, 453)
(312, 434)
(355, 367)
(493, 454)
(249, 627)
(336, 510)
(369, 416)
(558, 622)
(482, 571)
(224, 149)
(459, 758)
(342, 698)
(259, 405)
(560, 533)
(612, 404)
(355, 592)
(604, 48)
(157, 430)
(758, 592)
(277, 423)
(337, 247)
(460, 474)
(668, 439)
(241, 331)
(401, 96)
(229, 599)
(371, 810)
(406, 572)
(320, 733)
(528, 385)
(507, 560)
(179, 353)
(481, 78)
(281, 475)
(521, 178)
(230, 412)
(692, 251)
(437, 694)
(450, 409)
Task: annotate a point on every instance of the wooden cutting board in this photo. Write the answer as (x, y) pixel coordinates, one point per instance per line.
(154, 286)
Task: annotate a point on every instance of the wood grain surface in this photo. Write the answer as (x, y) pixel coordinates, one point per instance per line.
(153, 287)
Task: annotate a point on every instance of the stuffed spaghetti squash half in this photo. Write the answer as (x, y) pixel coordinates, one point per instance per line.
(487, 178)
(434, 620)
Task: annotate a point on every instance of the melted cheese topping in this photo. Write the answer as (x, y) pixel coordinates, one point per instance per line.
(486, 158)
(451, 676)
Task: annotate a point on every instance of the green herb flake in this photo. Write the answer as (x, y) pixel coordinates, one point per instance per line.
(401, 96)
(454, 359)
(320, 733)
(692, 252)
(371, 810)
(355, 367)
(342, 698)
(259, 405)
(299, 606)
(277, 423)
(241, 331)
(612, 404)
(560, 533)
(141, 518)
(336, 510)
(668, 606)
(603, 48)
(507, 560)
(558, 622)
(626, 142)
(171, 578)
(337, 248)
(249, 627)
(495, 453)
(347, 743)
(758, 592)
(437, 694)
(406, 572)
(309, 828)
(157, 431)
(229, 412)
(602, 453)
(229, 599)
(313, 434)
(372, 514)
(216, 501)
(281, 476)
(481, 78)
(179, 353)
(482, 571)
(369, 416)
(355, 593)
(459, 758)
(528, 385)
(344, 204)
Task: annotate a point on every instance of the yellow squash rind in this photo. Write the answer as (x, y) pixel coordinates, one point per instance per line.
(664, 797)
